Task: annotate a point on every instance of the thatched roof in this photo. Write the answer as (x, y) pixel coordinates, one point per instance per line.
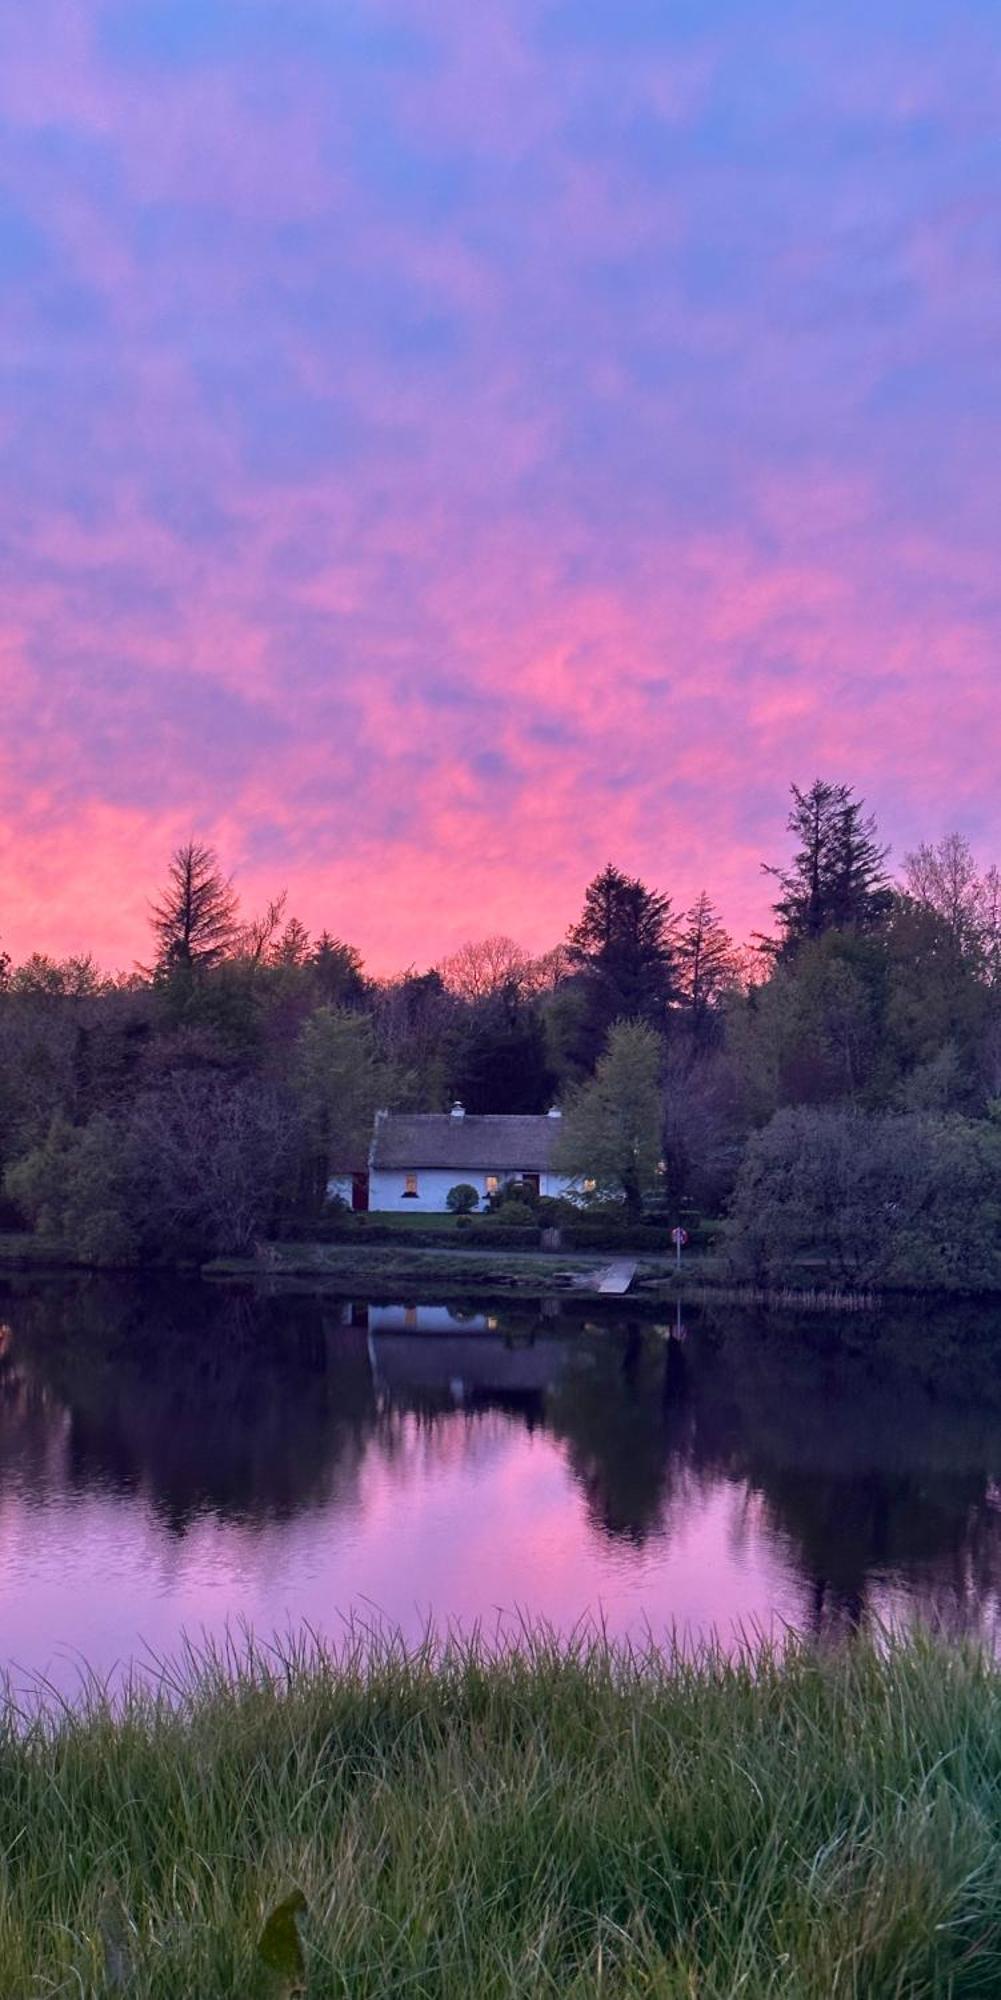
(505, 1145)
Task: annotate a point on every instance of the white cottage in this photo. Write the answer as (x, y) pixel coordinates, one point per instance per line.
(416, 1157)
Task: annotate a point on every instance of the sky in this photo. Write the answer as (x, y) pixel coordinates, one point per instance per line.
(445, 447)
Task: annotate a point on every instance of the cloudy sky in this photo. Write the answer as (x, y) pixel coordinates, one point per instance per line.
(447, 445)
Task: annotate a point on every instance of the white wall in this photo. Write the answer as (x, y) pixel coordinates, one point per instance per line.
(385, 1192)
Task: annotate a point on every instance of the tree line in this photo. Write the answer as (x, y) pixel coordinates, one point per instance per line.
(184, 1106)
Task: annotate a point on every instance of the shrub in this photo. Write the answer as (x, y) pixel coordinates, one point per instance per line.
(74, 1188)
(523, 1192)
(588, 1235)
(462, 1199)
(516, 1214)
(910, 1200)
(497, 1235)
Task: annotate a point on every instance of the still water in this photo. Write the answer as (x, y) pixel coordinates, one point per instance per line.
(175, 1459)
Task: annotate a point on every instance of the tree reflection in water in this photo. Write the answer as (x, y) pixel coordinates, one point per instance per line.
(869, 1449)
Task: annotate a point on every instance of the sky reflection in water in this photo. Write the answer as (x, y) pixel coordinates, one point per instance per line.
(172, 1459)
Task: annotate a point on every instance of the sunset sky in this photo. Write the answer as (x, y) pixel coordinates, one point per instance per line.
(448, 445)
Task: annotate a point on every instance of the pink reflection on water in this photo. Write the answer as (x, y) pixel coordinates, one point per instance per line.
(471, 1520)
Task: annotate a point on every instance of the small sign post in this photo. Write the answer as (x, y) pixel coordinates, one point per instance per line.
(679, 1237)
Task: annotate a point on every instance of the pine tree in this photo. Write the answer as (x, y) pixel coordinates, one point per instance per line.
(293, 947)
(337, 972)
(195, 921)
(837, 880)
(708, 963)
(624, 947)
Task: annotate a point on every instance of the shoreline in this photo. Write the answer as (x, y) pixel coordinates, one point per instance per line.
(391, 1271)
(386, 1271)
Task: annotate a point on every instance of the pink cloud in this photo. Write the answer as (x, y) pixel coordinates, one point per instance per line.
(430, 479)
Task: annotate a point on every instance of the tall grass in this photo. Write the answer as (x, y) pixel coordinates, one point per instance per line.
(543, 1818)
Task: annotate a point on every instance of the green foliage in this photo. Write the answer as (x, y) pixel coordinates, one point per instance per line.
(192, 1167)
(907, 1199)
(611, 1129)
(894, 1019)
(337, 1084)
(74, 1188)
(513, 1213)
(462, 1199)
(872, 1001)
(549, 1819)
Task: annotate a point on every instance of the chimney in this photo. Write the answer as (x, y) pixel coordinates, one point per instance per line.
(458, 1110)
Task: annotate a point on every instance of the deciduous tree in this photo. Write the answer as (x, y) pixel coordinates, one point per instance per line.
(337, 1084)
(892, 1199)
(484, 967)
(611, 1128)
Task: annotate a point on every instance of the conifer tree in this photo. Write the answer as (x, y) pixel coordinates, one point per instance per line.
(707, 964)
(195, 921)
(624, 947)
(837, 879)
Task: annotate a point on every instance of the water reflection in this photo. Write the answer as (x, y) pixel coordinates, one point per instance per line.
(170, 1455)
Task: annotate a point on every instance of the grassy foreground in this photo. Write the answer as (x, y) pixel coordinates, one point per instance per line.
(548, 1820)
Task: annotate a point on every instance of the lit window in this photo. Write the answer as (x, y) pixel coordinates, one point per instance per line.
(493, 1183)
(590, 1186)
(410, 1184)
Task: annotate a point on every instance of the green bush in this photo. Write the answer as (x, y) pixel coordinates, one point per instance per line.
(909, 1200)
(516, 1214)
(499, 1235)
(73, 1187)
(588, 1235)
(462, 1199)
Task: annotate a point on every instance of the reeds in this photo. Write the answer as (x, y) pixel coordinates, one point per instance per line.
(536, 1817)
(786, 1298)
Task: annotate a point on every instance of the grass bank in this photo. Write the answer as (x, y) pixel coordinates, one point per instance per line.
(389, 1271)
(551, 1821)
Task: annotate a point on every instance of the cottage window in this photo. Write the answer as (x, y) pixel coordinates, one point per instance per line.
(409, 1185)
(493, 1183)
(590, 1186)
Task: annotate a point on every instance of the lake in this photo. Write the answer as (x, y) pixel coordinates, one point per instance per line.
(174, 1458)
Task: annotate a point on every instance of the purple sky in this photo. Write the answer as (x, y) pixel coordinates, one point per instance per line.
(448, 446)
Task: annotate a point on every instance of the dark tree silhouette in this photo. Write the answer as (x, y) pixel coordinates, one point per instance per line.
(837, 879)
(624, 950)
(707, 964)
(337, 972)
(501, 1063)
(195, 920)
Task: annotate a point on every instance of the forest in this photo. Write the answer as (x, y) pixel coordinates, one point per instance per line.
(833, 1089)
